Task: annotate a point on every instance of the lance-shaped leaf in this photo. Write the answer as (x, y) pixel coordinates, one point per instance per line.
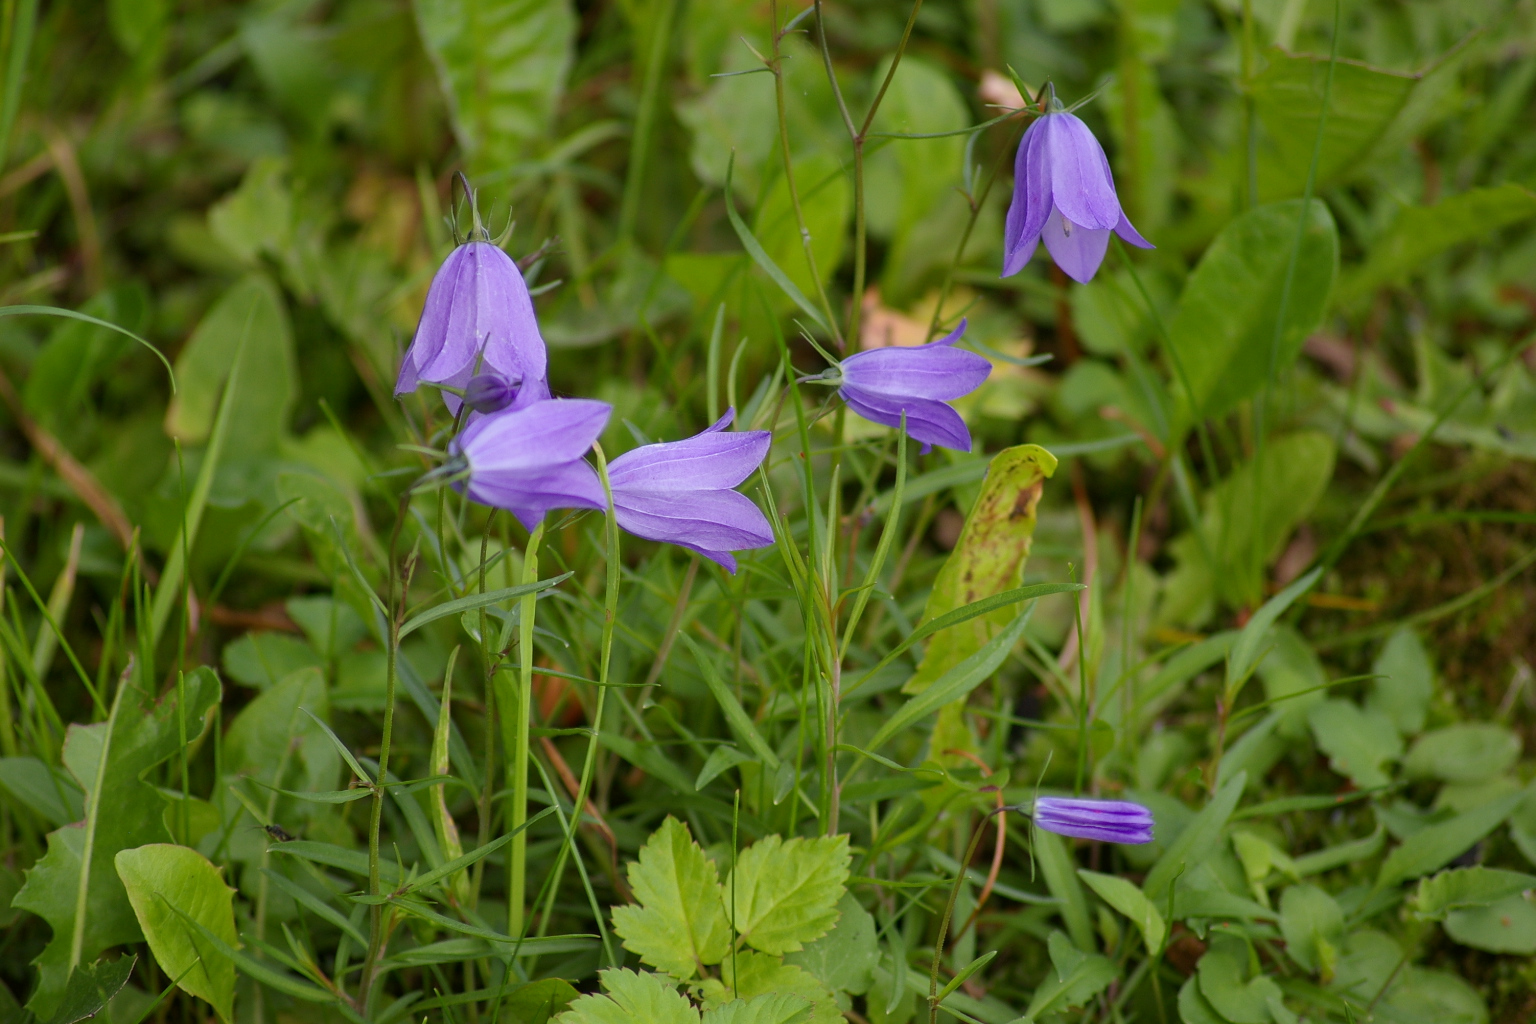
(988, 559)
(1133, 903)
(75, 883)
(680, 924)
(1077, 978)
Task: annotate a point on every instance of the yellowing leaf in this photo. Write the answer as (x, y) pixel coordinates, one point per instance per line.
(680, 924)
(785, 894)
(163, 879)
(988, 559)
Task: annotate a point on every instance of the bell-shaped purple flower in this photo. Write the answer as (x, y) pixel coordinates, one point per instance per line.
(1111, 821)
(882, 383)
(478, 319)
(530, 460)
(682, 492)
(1063, 194)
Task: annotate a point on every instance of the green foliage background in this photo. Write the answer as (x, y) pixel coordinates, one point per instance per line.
(220, 598)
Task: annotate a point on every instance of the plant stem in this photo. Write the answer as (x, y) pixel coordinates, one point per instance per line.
(518, 754)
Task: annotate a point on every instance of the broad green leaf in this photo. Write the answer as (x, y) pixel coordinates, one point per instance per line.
(108, 760)
(1468, 752)
(1198, 892)
(48, 792)
(1199, 840)
(843, 959)
(1508, 926)
(273, 731)
(502, 67)
(679, 925)
(988, 559)
(1359, 744)
(1194, 1008)
(1224, 981)
(163, 880)
(1464, 888)
(1056, 867)
(1367, 961)
(1438, 845)
(1313, 926)
(1406, 681)
(1077, 977)
(782, 895)
(1344, 853)
(1292, 677)
(631, 999)
(91, 987)
(1225, 325)
(137, 24)
(1123, 895)
(1422, 232)
(746, 975)
(825, 202)
(257, 218)
(250, 321)
(954, 684)
(537, 1001)
(1368, 110)
(1425, 996)
(769, 1008)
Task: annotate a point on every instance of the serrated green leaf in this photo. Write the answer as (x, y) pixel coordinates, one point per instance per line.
(771, 1008)
(1466, 752)
(1468, 887)
(843, 959)
(680, 925)
(1123, 895)
(631, 999)
(988, 559)
(782, 895)
(91, 987)
(167, 885)
(750, 975)
(1359, 743)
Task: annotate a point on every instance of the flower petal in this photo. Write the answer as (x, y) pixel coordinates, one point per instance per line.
(543, 434)
(928, 421)
(936, 370)
(1077, 250)
(1081, 186)
(714, 459)
(530, 494)
(702, 521)
(1130, 235)
(1030, 206)
(432, 328)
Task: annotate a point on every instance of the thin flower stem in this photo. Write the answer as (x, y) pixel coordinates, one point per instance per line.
(776, 65)
(518, 754)
(949, 913)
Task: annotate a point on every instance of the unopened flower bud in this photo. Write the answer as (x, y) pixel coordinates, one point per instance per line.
(489, 392)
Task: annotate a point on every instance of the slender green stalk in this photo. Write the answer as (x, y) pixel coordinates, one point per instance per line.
(20, 24)
(776, 65)
(518, 751)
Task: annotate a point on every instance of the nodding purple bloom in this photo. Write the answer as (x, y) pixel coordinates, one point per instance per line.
(490, 392)
(530, 460)
(681, 492)
(1064, 195)
(478, 319)
(882, 383)
(1112, 821)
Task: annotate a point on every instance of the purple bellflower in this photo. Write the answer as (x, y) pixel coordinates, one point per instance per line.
(478, 319)
(1063, 194)
(682, 492)
(1112, 821)
(882, 383)
(530, 460)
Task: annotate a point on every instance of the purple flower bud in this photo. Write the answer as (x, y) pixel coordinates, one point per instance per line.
(1063, 194)
(489, 392)
(478, 316)
(681, 492)
(530, 460)
(1112, 821)
(882, 383)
